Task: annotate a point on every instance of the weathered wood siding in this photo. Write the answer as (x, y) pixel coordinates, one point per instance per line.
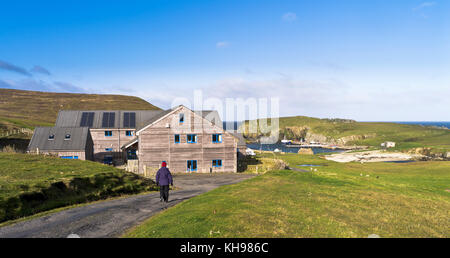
(157, 144)
(81, 154)
(116, 141)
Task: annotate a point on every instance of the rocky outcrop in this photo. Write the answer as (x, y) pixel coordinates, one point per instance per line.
(347, 140)
(353, 138)
(303, 133)
(429, 154)
(306, 151)
(295, 133)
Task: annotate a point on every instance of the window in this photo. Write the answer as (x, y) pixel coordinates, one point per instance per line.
(108, 133)
(191, 165)
(67, 137)
(109, 149)
(51, 137)
(217, 138)
(181, 118)
(129, 133)
(129, 119)
(217, 163)
(177, 138)
(69, 157)
(131, 154)
(191, 138)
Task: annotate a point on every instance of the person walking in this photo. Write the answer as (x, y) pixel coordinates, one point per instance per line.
(163, 179)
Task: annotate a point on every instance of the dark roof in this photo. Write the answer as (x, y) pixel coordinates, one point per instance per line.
(72, 118)
(40, 139)
(130, 143)
(153, 119)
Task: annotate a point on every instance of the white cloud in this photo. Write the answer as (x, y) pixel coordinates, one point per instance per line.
(289, 17)
(328, 98)
(223, 44)
(424, 5)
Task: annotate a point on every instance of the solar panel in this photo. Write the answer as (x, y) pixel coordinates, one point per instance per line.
(87, 119)
(108, 119)
(129, 119)
(133, 120)
(126, 119)
(83, 119)
(105, 119)
(91, 119)
(112, 119)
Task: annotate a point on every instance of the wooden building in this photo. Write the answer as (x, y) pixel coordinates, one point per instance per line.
(189, 141)
(67, 143)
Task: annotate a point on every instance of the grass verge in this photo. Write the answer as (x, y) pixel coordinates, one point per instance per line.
(337, 200)
(31, 184)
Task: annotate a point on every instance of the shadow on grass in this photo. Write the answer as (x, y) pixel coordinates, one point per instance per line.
(78, 190)
(247, 161)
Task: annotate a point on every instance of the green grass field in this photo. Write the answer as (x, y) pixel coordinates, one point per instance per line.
(337, 200)
(30, 184)
(365, 133)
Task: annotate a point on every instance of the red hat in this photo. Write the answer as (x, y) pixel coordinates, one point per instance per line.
(164, 164)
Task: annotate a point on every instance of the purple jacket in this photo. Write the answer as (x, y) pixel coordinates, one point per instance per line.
(163, 176)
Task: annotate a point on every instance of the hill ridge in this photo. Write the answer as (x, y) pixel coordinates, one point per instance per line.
(28, 109)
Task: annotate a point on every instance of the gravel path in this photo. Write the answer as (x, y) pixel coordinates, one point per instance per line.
(112, 218)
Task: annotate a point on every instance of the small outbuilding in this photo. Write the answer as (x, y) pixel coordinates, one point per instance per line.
(388, 145)
(66, 143)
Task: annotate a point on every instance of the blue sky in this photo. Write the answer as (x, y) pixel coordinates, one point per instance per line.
(371, 60)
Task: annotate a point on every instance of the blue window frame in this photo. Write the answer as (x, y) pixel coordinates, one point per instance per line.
(109, 149)
(191, 165)
(108, 133)
(191, 138)
(177, 138)
(217, 163)
(181, 118)
(69, 157)
(129, 133)
(217, 138)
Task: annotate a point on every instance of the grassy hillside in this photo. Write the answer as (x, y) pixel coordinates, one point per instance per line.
(27, 109)
(337, 200)
(347, 132)
(30, 183)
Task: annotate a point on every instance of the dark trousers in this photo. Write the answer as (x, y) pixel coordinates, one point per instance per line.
(164, 192)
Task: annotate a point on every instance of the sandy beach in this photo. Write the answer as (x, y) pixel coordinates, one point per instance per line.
(371, 156)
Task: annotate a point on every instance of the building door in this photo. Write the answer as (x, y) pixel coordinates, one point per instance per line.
(191, 165)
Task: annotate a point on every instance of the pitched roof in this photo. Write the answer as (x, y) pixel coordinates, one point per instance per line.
(153, 119)
(130, 143)
(40, 139)
(72, 118)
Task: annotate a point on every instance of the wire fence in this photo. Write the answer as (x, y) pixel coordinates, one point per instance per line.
(26, 131)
